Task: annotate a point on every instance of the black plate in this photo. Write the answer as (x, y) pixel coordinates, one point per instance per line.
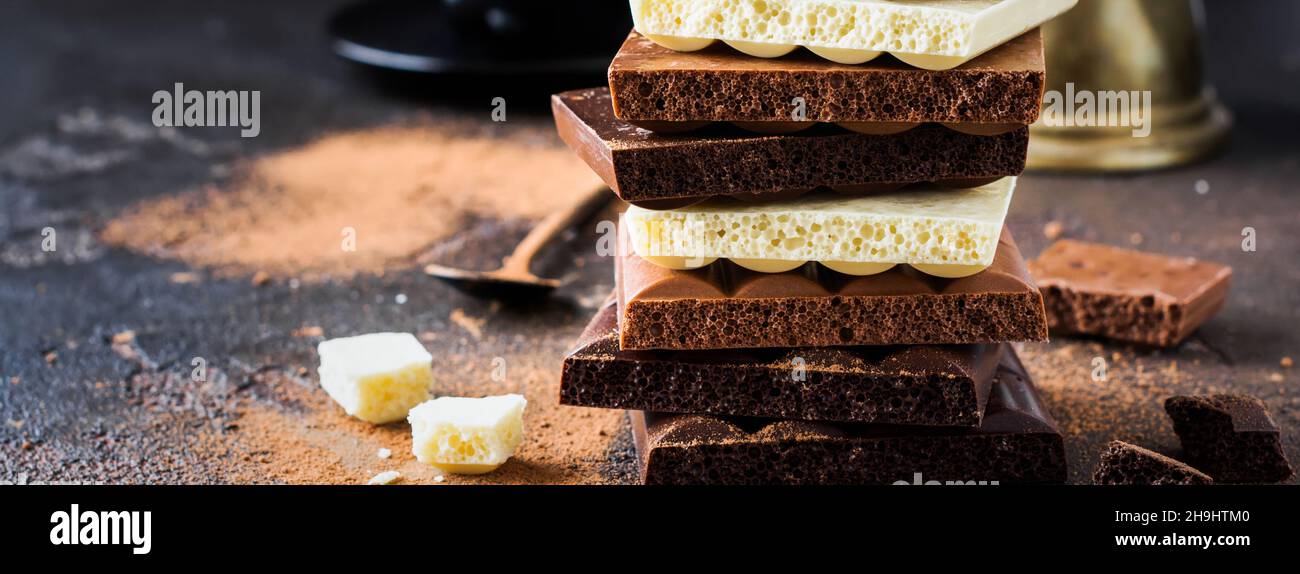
(482, 36)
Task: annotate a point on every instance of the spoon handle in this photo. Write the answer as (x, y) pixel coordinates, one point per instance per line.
(552, 226)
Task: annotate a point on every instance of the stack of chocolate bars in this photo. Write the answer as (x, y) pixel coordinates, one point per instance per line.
(815, 284)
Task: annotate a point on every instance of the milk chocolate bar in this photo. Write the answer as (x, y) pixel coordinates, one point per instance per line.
(726, 306)
(1230, 437)
(1016, 442)
(919, 385)
(650, 83)
(1124, 463)
(930, 34)
(643, 167)
(1128, 295)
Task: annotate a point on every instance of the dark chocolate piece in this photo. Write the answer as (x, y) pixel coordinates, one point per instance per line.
(1124, 463)
(723, 306)
(1127, 295)
(1017, 442)
(642, 166)
(652, 83)
(1230, 437)
(920, 385)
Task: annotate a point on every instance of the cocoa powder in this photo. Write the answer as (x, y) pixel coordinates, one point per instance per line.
(392, 191)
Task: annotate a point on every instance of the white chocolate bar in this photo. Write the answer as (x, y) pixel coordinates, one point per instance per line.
(939, 231)
(376, 377)
(929, 34)
(466, 435)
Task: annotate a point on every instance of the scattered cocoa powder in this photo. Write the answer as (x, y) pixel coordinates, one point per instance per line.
(304, 438)
(388, 193)
(473, 325)
(1127, 404)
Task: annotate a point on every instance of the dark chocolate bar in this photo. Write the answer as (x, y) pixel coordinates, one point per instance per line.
(1230, 437)
(724, 306)
(1016, 442)
(1128, 295)
(1124, 463)
(652, 83)
(641, 166)
(920, 385)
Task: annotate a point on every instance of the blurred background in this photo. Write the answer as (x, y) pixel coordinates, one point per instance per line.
(61, 53)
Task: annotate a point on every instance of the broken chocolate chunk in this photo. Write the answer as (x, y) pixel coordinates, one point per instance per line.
(1124, 463)
(1230, 437)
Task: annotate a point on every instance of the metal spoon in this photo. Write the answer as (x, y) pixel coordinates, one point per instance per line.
(513, 279)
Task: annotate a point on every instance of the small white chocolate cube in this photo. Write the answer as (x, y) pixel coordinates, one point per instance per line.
(465, 435)
(376, 377)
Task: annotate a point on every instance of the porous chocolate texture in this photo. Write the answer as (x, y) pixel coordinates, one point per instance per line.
(642, 166)
(1230, 437)
(652, 83)
(1016, 442)
(1128, 295)
(919, 385)
(725, 306)
(1124, 463)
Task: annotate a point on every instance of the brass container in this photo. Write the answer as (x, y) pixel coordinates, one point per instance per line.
(1131, 46)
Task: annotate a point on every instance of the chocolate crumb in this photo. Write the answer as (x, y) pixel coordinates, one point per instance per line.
(311, 331)
(185, 278)
(1053, 230)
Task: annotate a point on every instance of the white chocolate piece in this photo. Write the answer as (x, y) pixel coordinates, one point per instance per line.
(376, 377)
(681, 263)
(679, 44)
(949, 271)
(761, 50)
(386, 477)
(929, 34)
(859, 269)
(768, 265)
(931, 61)
(467, 435)
(918, 226)
(848, 56)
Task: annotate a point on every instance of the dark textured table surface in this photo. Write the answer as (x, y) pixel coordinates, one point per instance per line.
(98, 339)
